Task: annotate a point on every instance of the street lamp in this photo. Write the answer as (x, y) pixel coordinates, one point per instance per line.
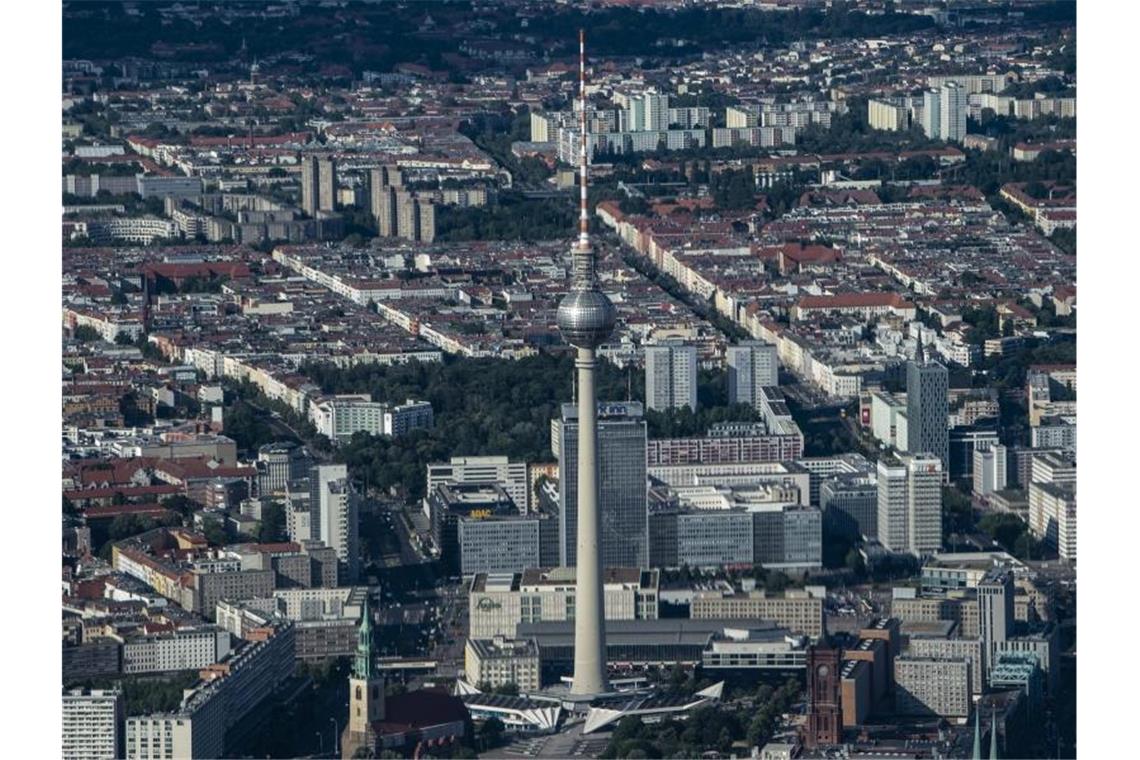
(336, 734)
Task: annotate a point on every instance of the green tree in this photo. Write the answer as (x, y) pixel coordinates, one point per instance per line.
(85, 334)
(214, 531)
(272, 527)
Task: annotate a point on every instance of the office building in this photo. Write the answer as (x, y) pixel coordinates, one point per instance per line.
(671, 376)
(952, 112)
(963, 441)
(500, 661)
(932, 687)
(335, 508)
(732, 443)
(798, 611)
(928, 408)
(751, 366)
(622, 483)
(93, 724)
(941, 648)
(500, 544)
(989, 470)
(910, 504)
(850, 505)
(932, 114)
(499, 603)
(498, 470)
(714, 538)
(452, 503)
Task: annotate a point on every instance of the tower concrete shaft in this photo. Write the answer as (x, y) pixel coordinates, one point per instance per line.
(586, 318)
(589, 615)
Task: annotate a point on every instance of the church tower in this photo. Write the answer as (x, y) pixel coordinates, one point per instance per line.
(365, 693)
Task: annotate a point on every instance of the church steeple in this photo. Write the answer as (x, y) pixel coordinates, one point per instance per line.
(362, 667)
(366, 693)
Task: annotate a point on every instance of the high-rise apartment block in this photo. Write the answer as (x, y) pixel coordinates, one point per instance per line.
(887, 115)
(910, 504)
(400, 212)
(671, 376)
(335, 507)
(318, 184)
(93, 724)
(752, 366)
(932, 114)
(952, 112)
(622, 483)
(928, 408)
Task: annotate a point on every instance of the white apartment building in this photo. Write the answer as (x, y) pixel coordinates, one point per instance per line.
(181, 650)
(338, 418)
(671, 376)
(92, 724)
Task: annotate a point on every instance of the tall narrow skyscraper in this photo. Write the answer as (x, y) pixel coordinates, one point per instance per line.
(928, 408)
(586, 318)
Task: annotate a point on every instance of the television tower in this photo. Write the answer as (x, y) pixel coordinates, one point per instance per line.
(586, 318)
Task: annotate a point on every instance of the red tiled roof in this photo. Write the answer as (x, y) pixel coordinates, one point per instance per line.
(854, 300)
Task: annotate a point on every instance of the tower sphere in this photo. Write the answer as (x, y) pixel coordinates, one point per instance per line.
(586, 318)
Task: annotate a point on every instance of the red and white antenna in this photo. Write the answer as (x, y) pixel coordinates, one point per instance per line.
(583, 218)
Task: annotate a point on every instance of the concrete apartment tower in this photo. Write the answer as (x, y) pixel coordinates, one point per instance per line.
(586, 318)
